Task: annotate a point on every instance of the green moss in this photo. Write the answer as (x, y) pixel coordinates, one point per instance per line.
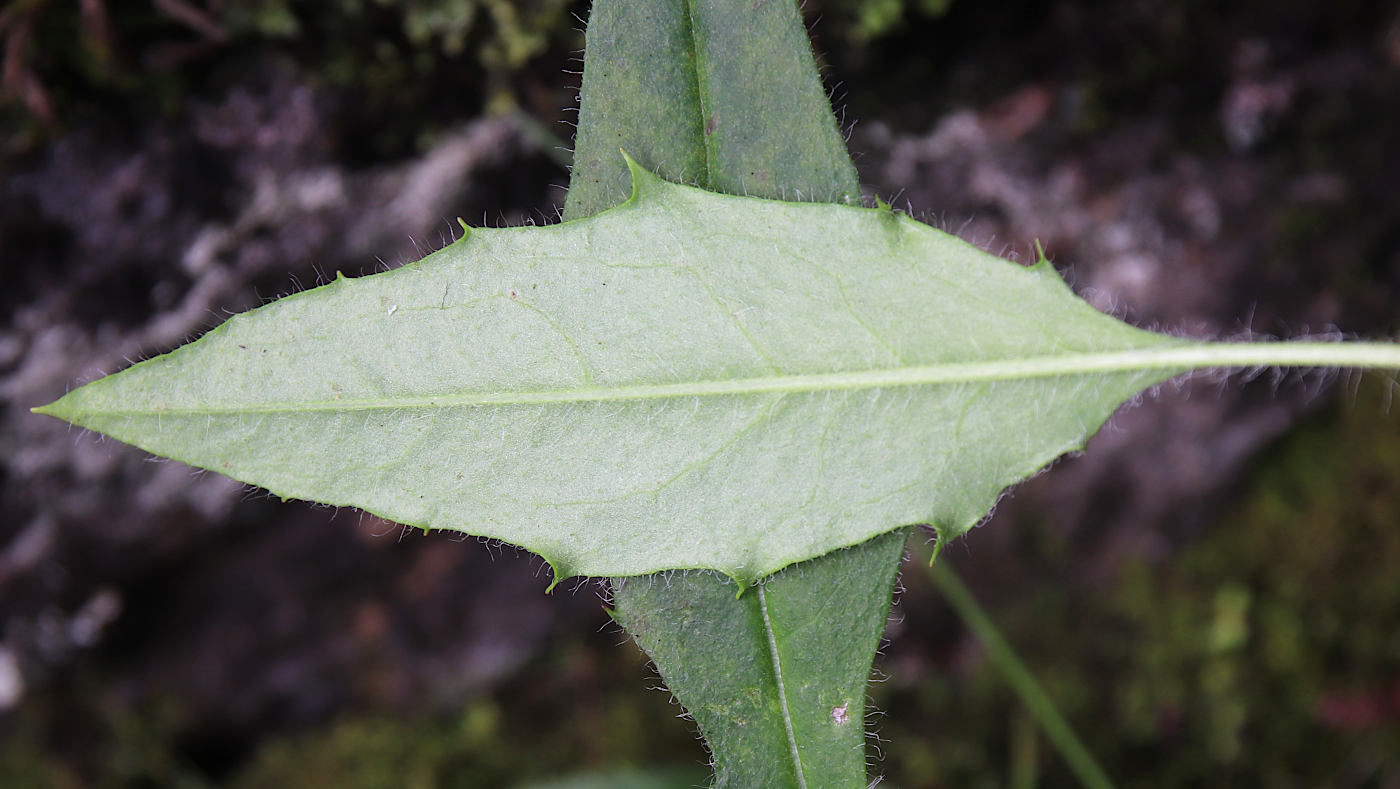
(478, 747)
(861, 22)
(1265, 653)
(1255, 637)
(574, 711)
(25, 766)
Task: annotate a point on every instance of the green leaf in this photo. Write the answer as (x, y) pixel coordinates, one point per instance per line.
(786, 705)
(690, 380)
(714, 93)
(628, 101)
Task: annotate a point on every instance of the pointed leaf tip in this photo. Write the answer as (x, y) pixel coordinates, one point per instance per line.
(55, 409)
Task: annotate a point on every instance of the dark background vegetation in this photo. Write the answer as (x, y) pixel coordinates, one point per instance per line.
(1211, 593)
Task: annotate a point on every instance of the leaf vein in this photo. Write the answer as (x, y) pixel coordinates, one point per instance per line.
(782, 689)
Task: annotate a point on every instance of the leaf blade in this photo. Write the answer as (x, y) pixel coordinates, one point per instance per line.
(714, 94)
(742, 745)
(581, 449)
(818, 621)
(533, 421)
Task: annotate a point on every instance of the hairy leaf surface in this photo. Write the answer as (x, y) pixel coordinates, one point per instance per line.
(718, 93)
(690, 380)
(785, 704)
(722, 94)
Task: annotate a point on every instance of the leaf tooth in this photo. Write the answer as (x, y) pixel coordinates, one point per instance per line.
(644, 181)
(560, 570)
(1040, 258)
(743, 583)
(945, 533)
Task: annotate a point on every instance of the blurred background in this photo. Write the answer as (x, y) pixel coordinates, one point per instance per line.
(1211, 594)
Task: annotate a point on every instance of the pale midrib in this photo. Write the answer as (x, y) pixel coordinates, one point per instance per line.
(782, 689)
(1175, 358)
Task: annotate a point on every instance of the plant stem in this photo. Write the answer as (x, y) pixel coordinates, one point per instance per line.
(1303, 353)
(1051, 722)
